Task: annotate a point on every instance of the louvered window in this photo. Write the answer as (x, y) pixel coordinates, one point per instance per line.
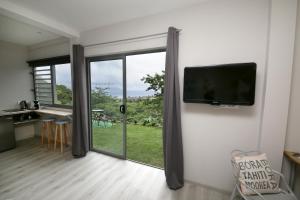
(52, 81)
(43, 84)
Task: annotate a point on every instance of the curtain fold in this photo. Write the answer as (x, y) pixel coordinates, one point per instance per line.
(80, 142)
(172, 136)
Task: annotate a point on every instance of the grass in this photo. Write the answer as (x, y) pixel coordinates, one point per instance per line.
(144, 144)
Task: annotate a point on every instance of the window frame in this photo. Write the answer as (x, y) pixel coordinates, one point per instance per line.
(112, 56)
(50, 62)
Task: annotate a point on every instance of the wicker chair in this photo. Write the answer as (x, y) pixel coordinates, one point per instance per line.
(285, 194)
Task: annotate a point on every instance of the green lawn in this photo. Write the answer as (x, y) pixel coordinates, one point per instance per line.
(144, 144)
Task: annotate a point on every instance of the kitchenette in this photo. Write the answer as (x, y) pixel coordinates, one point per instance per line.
(29, 74)
(27, 122)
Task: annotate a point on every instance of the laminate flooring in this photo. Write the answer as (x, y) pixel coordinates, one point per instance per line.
(32, 172)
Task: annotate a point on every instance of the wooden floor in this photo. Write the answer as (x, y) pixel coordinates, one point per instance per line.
(31, 172)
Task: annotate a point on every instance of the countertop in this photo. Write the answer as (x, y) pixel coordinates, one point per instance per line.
(3, 113)
(292, 157)
(61, 113)
(49, 111)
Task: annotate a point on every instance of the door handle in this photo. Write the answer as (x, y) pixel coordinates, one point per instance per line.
(122, 109)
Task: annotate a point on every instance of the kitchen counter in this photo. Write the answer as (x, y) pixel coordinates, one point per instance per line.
(59, 113)
(22, 124)
(49, 111)
(4, 113)
(294, 159)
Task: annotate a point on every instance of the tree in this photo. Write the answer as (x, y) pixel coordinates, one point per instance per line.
(64, 95)
(156, 83)
(99, 95)
(154, 106)
(101, 99)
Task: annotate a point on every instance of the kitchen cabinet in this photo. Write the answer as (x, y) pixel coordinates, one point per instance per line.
(7, 134)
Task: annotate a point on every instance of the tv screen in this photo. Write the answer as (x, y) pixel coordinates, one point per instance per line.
(228, 84)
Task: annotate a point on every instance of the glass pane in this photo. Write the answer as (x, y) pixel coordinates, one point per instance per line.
(44, 89)
(63, 84)
(47, 94)
(145, 75)
(42, 72)
(42, 68)
(45, 99)
(43, 86)
(45, 102)
(106, 99)
(42, 76)
(43, 81)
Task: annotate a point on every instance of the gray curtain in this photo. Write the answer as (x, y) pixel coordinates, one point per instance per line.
(80, 142)
(172, 139)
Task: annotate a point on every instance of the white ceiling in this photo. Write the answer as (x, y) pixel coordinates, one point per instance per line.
(82, 15)
(21, 33)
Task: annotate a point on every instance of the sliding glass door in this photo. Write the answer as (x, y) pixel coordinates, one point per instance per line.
(145, 82)
(135, 81)
(107, 107)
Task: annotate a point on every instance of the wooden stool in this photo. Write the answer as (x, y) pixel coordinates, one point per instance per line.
(47, 130)
(61, 128)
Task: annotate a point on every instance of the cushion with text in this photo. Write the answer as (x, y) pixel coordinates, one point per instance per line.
(255, 173)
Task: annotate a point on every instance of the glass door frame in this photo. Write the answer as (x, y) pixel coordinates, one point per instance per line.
(89, 89)
(105, 58)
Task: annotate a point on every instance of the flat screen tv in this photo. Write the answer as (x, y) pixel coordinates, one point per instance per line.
(227, 84)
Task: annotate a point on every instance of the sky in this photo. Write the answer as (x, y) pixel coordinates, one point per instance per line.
(108, 74)
(63, 75)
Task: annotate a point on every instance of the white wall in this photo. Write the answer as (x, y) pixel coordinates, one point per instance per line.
(293, 130)
(278, 82)
(213, 33)
(52, 48)
(15, 78)
(15, 81)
